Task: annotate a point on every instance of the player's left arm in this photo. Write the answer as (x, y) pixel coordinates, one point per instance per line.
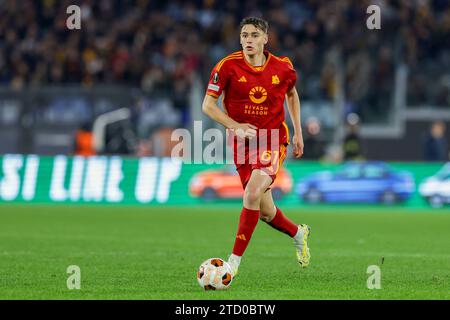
(293, 103)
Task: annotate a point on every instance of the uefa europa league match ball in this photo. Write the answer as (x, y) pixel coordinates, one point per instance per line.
(214, 274)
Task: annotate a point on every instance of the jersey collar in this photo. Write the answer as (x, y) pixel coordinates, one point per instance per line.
(259, 68)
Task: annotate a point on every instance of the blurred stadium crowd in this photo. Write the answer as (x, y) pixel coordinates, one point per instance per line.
(160, 46)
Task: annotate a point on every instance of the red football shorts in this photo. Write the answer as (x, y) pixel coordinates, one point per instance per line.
(267, 160)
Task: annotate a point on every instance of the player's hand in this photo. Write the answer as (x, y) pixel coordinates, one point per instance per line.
(297, 143)
(245, 130)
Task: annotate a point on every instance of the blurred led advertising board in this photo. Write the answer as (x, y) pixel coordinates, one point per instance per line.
(163, 181)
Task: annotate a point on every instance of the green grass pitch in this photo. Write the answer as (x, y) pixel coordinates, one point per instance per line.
(154, 253)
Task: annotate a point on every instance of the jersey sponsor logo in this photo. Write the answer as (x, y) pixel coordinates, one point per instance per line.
(215, 77)
(275, 79)
(242, 79)
(256, 110)
(258, 95)
(213, 87)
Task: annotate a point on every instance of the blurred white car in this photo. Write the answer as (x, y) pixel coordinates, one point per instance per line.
(436, 189)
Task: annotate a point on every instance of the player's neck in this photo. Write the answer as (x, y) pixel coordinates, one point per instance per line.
(256, 60)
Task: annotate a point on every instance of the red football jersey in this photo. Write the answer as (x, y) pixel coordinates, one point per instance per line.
(254, 95)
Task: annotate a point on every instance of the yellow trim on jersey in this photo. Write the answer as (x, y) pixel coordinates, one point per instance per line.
(281, 157)
(224, 60)
(285, 59)
(260, 68)
(212, 94)
(237, 55)
(287, 131)
(236, 52)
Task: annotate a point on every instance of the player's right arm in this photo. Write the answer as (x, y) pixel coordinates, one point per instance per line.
(219, 82)
(211, 109)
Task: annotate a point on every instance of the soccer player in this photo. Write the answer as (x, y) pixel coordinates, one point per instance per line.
(254, 84)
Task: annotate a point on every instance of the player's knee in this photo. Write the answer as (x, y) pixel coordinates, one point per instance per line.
(266, 213)
(252, 195)
(265, 216)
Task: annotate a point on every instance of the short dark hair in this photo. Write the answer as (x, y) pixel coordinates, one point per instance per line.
(259, 23)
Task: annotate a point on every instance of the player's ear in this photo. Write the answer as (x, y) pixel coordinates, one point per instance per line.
(266, 38)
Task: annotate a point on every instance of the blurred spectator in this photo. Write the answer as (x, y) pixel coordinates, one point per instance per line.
(435, 144)
(162, 143)
(84, 141)
(314, 143)
(157, 46)
(352, 146)
(154, 121)
(120, 138)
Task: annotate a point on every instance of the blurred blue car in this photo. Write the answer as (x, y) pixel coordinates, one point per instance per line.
(369, 182)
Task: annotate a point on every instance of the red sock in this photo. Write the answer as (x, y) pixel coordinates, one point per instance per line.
(283, 224)
(247, 223)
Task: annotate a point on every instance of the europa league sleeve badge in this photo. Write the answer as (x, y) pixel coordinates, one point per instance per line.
(215, 77)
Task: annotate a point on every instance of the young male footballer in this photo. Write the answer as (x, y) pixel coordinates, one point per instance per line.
(254, 84)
